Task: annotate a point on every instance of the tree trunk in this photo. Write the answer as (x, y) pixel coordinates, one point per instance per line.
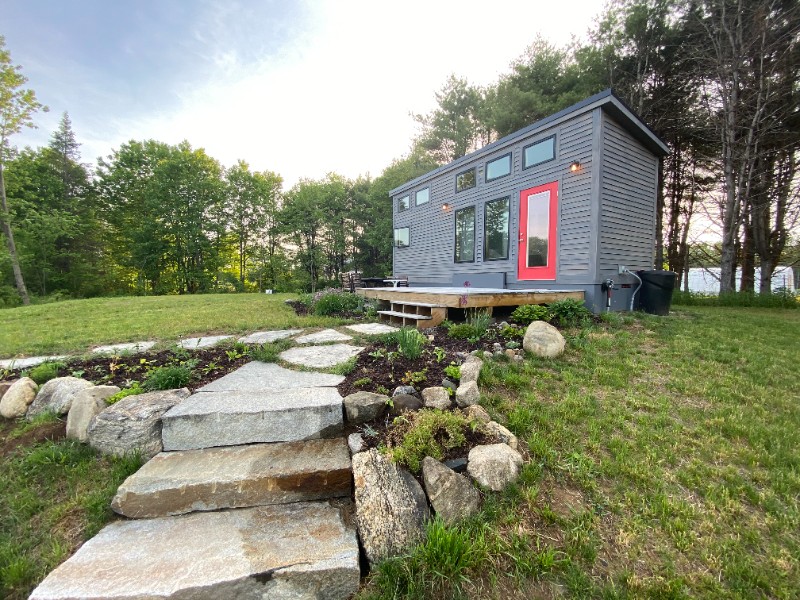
(5, 221)
(748, 257)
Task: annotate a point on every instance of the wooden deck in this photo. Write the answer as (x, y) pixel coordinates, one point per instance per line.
(454, 297)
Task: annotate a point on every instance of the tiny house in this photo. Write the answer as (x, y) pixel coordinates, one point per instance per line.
(567, 203)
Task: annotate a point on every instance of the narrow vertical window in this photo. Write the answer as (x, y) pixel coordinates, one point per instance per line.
(423, 196)
(403, 203)
(495, 239)
(538, 228)
(465, 235)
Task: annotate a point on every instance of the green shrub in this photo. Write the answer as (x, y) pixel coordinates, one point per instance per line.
(269, 352)
(331, 302)
(45, 372)
(569, 312)
(464, 331)
(512, 332)
(453, 371)
(480, 320)
(430, 433)
(133, 390)
(167, 378)
(410, 342)
(528, 313)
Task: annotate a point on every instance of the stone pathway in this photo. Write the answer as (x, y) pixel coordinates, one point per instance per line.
(26, 363)
(323, 337)
(132, 348)
(320, 357)
(197, 343)
(238, 505)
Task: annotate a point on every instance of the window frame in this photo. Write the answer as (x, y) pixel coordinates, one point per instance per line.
(537, 142)
(416, 202)
(455, 232)
(394, 240)
(510, 157)
(508, 228)
(474, 171)
(407, 197)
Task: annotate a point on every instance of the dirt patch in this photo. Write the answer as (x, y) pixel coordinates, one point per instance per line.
(49, 431)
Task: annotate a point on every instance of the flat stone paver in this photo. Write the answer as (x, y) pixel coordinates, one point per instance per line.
(231, 418)
(266, 337)
(320, 357)
(259, 377)
(132, 348)
(371, 328)
(304, 550)
(30, 361)
(197, 343)
(321, 337)
(175, 483)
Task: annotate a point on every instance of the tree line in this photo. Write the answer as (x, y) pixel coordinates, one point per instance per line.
(717, 80)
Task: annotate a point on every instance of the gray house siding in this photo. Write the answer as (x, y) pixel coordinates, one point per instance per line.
(606, 210)
(628, 203)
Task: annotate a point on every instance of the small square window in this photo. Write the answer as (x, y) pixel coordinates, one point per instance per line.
(499, 167)
(539, 152)
(423, 196)
(465, 180)
(404, 203)
(402, 237)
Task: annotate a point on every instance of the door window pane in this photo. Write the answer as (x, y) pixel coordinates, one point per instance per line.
(401, 237)
(423, 196)
(465, 180)
(500, 167)
(465, 235)
(539, 152)
(538, 229)
(495, 239)
(403, 203)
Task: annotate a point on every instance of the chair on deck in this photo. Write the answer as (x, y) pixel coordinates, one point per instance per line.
(402, 281)
(350, 281)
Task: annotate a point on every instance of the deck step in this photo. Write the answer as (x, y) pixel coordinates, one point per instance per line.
(304, 550)
(233, 418)
(175, 483)
(394, 313)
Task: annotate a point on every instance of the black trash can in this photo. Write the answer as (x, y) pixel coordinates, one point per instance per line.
(655, 297)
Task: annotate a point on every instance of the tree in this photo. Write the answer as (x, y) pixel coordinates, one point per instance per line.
(17, 106)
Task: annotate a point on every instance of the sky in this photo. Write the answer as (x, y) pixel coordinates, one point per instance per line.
(301, 88)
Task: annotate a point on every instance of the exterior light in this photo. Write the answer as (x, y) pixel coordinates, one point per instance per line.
(445, 206)
(574, 166)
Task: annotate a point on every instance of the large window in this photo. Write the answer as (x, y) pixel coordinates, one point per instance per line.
(465, 235)
(539, 153)
(465, 180)
(423, 196)
(499, 167)
(403, 203)
(402, 237)
(495, 221)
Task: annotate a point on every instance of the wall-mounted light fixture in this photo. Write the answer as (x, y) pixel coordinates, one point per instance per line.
(575, 166)
(445, 206)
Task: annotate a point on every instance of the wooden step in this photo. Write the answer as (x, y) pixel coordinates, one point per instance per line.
(394, 313)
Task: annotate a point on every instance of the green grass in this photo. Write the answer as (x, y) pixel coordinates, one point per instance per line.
(53, 497)
(664, 463)
(75, 325)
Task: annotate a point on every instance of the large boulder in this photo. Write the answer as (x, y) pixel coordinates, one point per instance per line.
(390, 506)
(362, 407)
(494, 466)
(478, 413)
(134, 423)
(86, 404)
(467, 394)
(542, 339)
(471, 369)
(436, 397)
(18, 397)
(501, 433)
(56, 396)
(452, 496)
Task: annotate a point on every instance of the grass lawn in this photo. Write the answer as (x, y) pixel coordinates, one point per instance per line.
(665, 463)
(74, 325)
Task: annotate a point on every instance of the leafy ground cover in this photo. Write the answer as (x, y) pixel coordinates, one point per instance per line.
(664, 464)
(75, 325)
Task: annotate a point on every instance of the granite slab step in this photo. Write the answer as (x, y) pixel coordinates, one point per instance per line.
(257, 376)
(306, 550)
(175, 483)
(233, 418)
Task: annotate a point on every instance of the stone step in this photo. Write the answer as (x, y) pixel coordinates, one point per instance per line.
(233, 418)
(305, 550)
(174, 483)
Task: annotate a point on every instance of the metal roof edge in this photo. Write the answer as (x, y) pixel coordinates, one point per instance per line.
(601, 99)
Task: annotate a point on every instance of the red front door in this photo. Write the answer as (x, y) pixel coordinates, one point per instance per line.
(538, 217)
